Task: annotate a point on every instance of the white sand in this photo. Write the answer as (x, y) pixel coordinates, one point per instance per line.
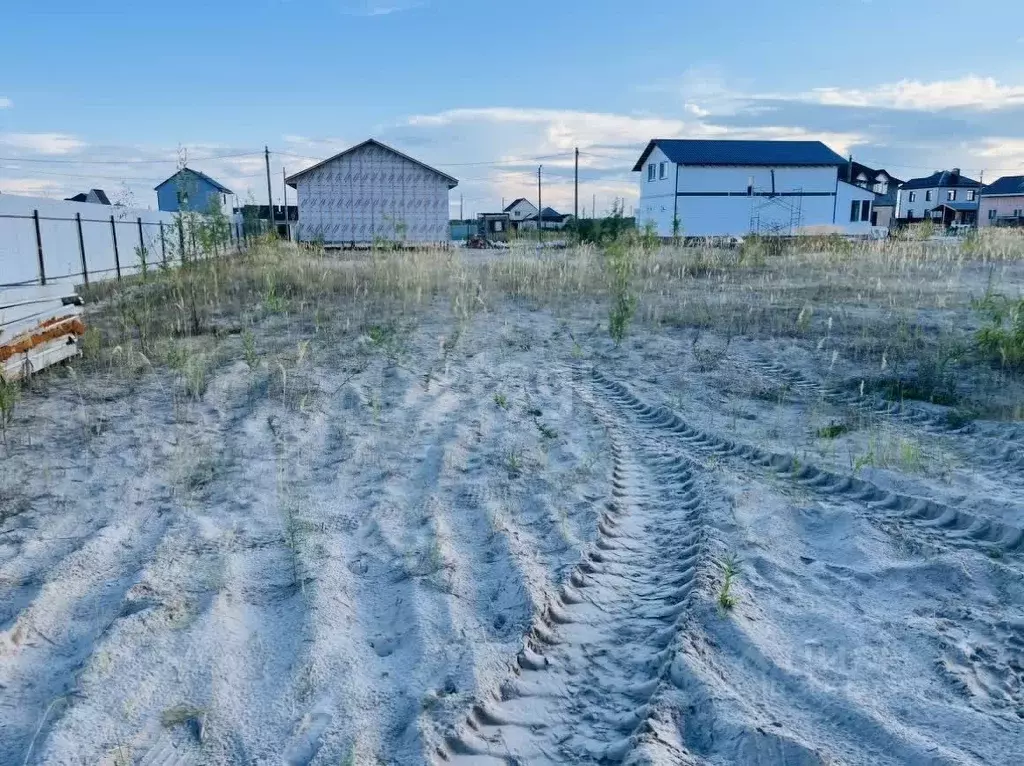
(366, 564)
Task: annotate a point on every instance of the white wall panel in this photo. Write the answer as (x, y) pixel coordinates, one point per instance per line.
(372, 193)
(59, 233)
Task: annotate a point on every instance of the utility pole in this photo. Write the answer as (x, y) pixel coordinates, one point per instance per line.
(461, 216)
(284, 185)
(270, 195)
(540, 208)
(576, 195)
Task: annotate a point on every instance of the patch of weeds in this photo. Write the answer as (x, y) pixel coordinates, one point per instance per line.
(1001, 339)
(501, 400)
(179, 714)
(92, 343)
(546, 431)
(10, 392)
(730, 566)
(708, 359)
(534, 412)
(933, 392)
(833, 430)
(195, 374)
(959, 418)
(513, 464)
(249, 350)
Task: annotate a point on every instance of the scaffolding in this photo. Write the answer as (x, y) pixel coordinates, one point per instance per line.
(776, 215)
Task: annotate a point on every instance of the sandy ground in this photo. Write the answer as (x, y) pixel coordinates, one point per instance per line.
(502, 544)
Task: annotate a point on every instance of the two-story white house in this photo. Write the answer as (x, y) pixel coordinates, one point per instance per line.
(946, 197)
(883, 184)
(723, 188)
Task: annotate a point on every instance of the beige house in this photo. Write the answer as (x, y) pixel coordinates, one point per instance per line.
(1002, 203)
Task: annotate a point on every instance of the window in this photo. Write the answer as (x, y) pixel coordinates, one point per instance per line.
(663, 170)
(1018, 213)
(913, 196)
(652, 171)
(182, 197)
(970, 195)
(855, 211)
(951, 195)
(499, 226)
(865, 210)
(928, 196)
(992, 214)
(910, 215)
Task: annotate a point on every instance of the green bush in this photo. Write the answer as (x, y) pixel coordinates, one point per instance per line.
(1001, 339)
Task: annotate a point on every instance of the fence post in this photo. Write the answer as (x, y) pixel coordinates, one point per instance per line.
(163, 244)
(181, 240)
(117, 255)
(142, 245)
(39, 249)
(81, 249)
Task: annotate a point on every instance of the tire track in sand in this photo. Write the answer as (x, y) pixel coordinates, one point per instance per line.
(953, 525)
(589, 672)
(991, 450)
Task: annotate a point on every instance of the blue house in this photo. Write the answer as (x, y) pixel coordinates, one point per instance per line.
(191, 190)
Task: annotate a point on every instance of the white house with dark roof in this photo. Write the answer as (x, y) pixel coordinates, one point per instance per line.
(946, 197)
(520, 210)
(1002, 203)
(722, 188)
(371, 192)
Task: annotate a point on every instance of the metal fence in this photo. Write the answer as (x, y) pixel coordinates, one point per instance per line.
(46, 241)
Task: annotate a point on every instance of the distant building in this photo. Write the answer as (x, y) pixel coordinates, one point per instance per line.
(190, 190)
(722, 188)
(1002, 203)
(372, 191)
(520, 210)
(95, 196)
(494, 226)
(882, 184)
(946, 197)
(256, 218)
(550, 219)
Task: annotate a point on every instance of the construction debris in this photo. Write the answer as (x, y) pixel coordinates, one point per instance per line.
(39, 326)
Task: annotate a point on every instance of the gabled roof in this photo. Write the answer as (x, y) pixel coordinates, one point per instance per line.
(726, 152)
(547, 214)
(452, 182)
(958, 206)
(517, 201)
(98, 194)
(218, 186)
(869, 172)
(941, 179)
(1010, 186)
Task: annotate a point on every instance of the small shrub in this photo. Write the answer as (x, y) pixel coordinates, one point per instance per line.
(9, 394)
(249, 350)
(833, 430)
(501, 400)
(1001, 339)
(730, 566)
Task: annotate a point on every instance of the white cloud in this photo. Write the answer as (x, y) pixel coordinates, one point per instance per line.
(378, 7)
(969, 92)
(31, 187)
(42, 143)
(5, 103)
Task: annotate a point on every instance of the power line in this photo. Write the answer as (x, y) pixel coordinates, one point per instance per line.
(124, 162)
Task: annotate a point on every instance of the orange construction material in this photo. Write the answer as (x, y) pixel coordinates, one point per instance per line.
(48, 330)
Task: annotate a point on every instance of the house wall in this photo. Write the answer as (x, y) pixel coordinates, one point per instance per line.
(921, 205)
(714, 201)
(372, 193)
(884, 215)
(1004, 206)
(522, 209)
(201, 194)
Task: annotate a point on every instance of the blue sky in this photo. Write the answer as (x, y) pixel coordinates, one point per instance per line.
(109, 93)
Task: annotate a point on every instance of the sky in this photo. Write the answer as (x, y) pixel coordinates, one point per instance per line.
(116, 94)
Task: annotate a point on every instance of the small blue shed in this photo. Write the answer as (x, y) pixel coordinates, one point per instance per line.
(189, 189)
